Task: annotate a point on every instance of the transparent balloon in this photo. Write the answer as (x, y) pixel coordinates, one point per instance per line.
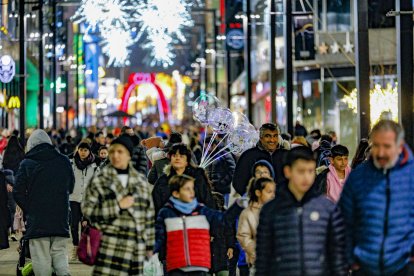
(238, 140)
(239, 119)
(203, 106)
(221, 120)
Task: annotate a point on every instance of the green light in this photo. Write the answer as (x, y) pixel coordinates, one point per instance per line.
(60, 85)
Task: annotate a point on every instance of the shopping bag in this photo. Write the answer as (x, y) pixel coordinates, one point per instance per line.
(153, 267)
(89, 245)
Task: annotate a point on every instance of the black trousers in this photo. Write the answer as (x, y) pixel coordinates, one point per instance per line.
(76, 217)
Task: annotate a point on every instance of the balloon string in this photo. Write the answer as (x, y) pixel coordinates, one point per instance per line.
(210, 153)
(209, 163)
(208, 147)
(217, 153)
(204, 141)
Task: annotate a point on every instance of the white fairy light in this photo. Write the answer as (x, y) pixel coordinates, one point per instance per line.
(115, 45)
(160, 50)
(161, 22)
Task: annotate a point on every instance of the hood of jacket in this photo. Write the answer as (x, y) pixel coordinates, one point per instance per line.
(42, 152)
(38, 137)
(169, 171)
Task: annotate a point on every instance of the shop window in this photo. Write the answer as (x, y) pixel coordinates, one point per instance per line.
(377, 10)
(337, 17)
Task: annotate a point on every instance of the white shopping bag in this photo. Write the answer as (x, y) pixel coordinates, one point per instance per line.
(153, 266)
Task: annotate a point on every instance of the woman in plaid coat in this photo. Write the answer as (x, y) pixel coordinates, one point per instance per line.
(118, 202)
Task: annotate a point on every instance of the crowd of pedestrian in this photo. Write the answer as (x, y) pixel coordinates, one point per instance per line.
(291, 205)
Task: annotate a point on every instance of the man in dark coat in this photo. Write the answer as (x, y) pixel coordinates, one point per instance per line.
(268, 148)
(43, 184)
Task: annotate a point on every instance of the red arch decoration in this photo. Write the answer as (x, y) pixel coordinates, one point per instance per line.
(136, 79)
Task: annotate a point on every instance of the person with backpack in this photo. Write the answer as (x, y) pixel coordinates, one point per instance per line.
(84, 167)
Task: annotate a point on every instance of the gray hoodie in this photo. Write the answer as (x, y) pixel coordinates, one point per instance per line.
(39, 136)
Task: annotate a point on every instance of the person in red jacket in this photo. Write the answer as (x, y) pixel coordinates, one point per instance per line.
(183, 229)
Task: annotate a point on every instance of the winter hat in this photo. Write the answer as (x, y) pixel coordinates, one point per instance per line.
(266, 164)
(126, 142)
(84, 145)
(39, 136)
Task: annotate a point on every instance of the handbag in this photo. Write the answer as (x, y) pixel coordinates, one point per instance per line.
(89, 245)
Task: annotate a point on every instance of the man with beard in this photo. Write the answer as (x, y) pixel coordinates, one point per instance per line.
(377, 203)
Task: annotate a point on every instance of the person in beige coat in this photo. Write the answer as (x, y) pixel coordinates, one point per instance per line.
(260, 191)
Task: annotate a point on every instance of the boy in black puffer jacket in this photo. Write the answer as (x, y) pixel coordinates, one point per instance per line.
(300, 233)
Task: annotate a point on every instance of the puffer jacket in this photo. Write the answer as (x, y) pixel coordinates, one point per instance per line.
(82, 179)
(171, 247)
(247, 229)
(305, 238)
(43, 184)
(161, 192)
(139, 159)
(243, 172)
(378, 209)
(220, 172)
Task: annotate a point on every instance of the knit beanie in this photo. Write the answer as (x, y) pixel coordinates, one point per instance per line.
(124, 141)
(266, 164)
(39, 136)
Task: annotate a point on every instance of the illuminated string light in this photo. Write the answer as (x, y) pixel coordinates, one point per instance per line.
(383, 101)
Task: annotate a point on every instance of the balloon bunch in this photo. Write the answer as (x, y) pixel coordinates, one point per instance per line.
(233, 129)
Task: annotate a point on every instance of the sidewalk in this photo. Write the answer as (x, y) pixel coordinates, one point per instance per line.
(9, 257)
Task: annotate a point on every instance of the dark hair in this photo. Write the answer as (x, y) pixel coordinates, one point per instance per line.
(175, 137)
(286, 136)
(299, 153)
(124, 128)
(257, 185)
(99, 133)
(178, 181)
(102, 148)
(13, 154)
(359, 156)
(181, 149)
(339, 150)
(327, 138)
(110, 136)
(316, 134)
(269, 126)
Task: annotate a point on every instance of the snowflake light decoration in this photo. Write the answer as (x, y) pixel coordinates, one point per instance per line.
(161, 22)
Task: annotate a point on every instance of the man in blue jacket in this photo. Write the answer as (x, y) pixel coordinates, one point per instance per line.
(378, 202)
(43, 184)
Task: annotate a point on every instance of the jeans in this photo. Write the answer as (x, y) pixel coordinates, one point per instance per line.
(48, 255)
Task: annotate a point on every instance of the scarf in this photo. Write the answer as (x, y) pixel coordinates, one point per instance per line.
(83, 164)
(183, 207)
(333, 183)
